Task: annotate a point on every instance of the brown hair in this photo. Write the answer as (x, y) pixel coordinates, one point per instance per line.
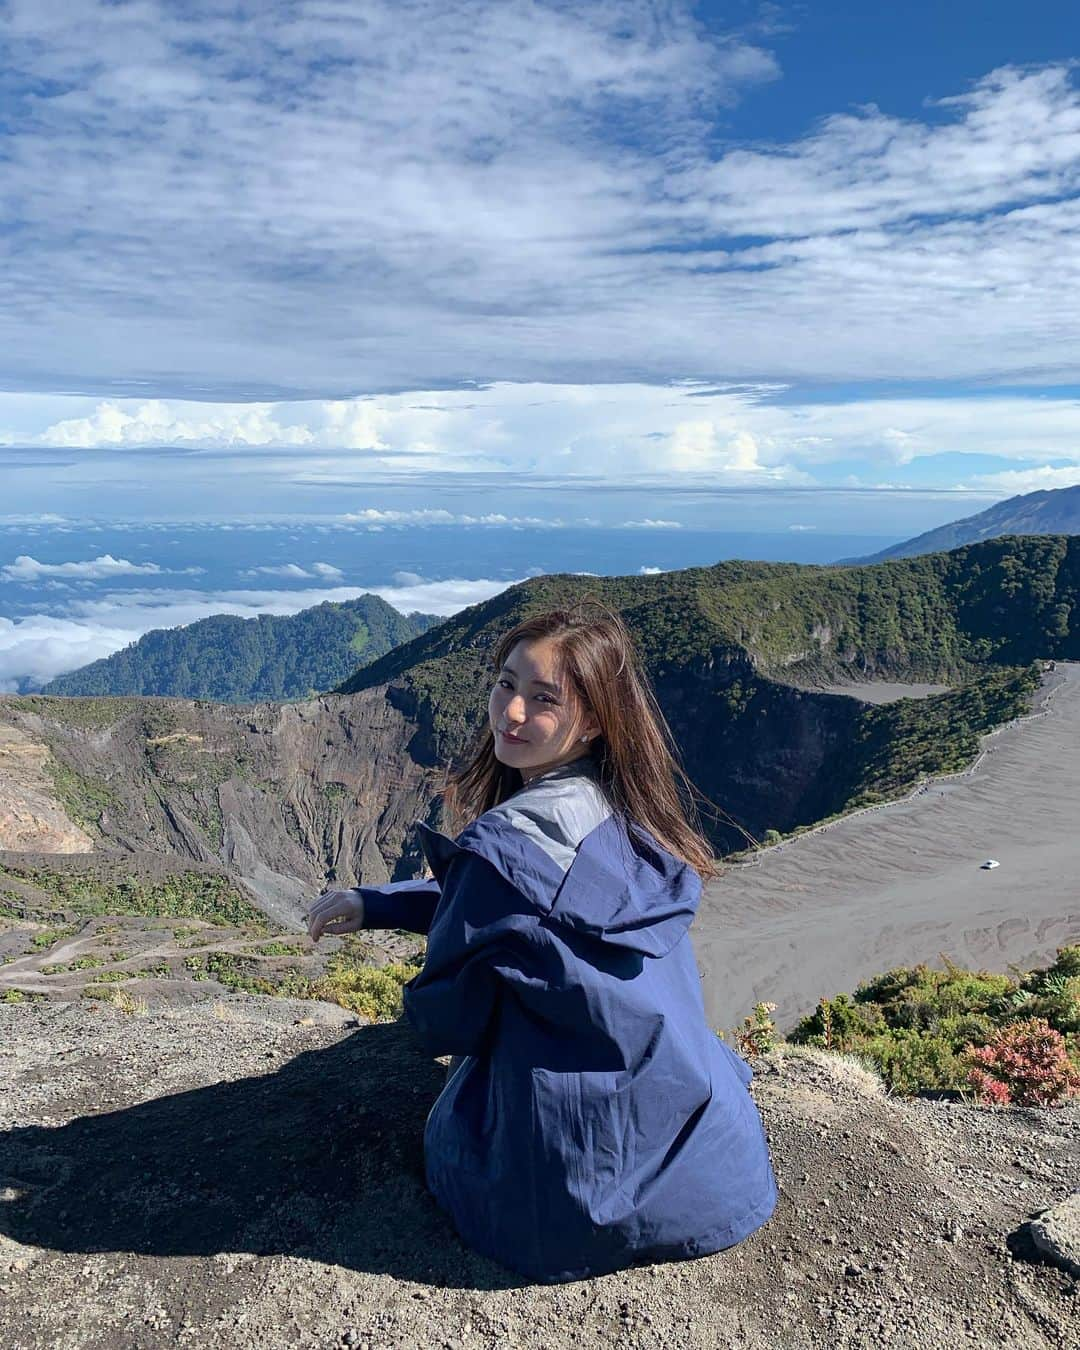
(635, 752)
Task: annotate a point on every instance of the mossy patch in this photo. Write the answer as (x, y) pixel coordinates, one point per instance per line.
(200, 895)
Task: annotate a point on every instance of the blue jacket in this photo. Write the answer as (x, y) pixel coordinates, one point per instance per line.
(596, 1121)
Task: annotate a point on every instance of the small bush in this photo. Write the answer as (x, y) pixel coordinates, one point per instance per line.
(913, 1061)
(839, 1024)
(1026, 1064)
(48, 936)
(371, 991)
(757, 1035)
(127, 1003)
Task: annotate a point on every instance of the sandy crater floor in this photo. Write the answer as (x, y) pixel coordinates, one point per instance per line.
(902, 883)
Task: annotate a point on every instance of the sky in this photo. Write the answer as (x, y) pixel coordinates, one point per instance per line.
(323, 258)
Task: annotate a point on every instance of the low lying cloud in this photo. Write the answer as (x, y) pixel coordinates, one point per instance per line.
(26, 568)
(157, 423)
(32, 519)
(376, 519)
(39, 647)
(319, 569)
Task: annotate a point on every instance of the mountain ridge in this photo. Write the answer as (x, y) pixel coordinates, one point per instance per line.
(294, 796)
(1046, 511)
(247, 660)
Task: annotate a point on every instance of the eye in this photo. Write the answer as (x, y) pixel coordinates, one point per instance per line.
(504, 680)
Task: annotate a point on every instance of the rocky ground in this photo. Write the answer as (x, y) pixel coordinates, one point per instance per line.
(247, 1171)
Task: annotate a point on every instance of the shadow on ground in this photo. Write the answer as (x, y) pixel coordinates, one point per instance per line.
(323, 1159)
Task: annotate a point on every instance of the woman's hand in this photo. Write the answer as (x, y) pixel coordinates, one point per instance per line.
(335, 912)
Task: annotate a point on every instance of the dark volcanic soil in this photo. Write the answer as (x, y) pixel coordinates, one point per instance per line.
(249, 1172)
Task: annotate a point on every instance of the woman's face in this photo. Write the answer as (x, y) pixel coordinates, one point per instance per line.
(530, 700)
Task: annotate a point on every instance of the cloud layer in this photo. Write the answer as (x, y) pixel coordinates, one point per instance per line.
(411, 195)
(752, 435)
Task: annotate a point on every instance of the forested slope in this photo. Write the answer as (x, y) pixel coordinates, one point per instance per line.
(235, 660)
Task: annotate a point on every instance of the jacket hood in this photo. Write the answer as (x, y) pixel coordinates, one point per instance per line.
(620, 887)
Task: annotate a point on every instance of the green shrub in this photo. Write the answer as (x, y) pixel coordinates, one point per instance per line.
(371, 991)
(914, 1061)
(839, 1024)
(48, 936)
(1053, 993)
(210, 896)
(920, 1026)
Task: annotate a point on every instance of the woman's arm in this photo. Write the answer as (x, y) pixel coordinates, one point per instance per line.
(481, 946)
(400, 904)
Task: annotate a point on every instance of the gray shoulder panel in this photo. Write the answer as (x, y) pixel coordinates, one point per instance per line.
(557, 810)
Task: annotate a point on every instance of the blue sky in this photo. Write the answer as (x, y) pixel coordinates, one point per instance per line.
(770, 245)
(324, 258)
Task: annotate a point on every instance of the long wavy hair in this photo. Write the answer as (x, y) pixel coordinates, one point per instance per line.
(635, 753)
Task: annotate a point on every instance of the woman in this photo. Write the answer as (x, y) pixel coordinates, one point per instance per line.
(590, 1119)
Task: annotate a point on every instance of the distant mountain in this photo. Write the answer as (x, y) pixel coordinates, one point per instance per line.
(285, 795)
(234, 660)
(1052, 511)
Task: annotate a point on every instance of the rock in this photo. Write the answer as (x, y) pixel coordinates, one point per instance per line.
(1055, 1232)
(31, 814)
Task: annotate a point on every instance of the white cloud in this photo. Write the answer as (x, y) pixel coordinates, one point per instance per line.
(406, 198)
(1013, 482)
(157, 422)
(25, 568)
(375, 518)
(34, 518)
(295, 570)
(35, 649)
(740, 435)
(283, 570)
(1013, 136)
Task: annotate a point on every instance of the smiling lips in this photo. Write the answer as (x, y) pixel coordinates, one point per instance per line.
(509, 736)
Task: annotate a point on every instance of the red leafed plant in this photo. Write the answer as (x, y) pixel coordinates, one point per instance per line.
(1025, 1064)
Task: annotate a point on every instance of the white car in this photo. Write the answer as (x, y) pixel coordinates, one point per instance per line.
(989, 863)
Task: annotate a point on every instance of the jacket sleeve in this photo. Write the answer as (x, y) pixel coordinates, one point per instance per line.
(400, 904)
(483, 941)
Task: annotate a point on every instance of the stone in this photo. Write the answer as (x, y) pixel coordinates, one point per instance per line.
(1055, 1233)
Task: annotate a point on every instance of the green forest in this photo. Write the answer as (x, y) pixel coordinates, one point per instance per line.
(234, 660)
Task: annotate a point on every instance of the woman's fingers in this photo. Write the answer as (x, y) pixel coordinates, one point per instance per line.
(333, 912)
